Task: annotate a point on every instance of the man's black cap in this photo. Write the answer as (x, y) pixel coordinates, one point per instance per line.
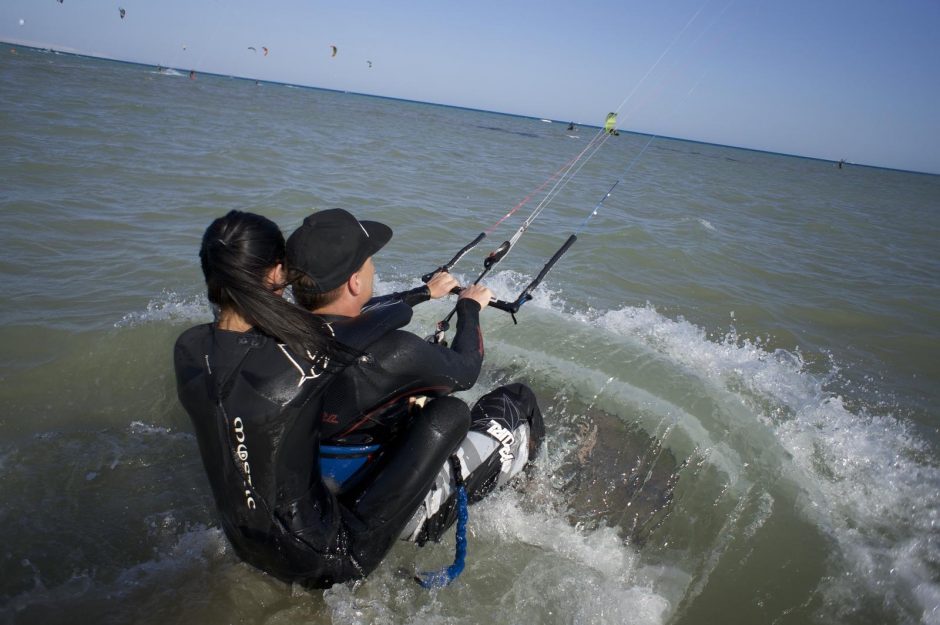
(331, 245)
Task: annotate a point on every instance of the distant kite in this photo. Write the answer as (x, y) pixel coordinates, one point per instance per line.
(610, 124)
(122, 12)
(61, 1)
(370, 63)
(265, 50)
(334, 51)
(253, 48)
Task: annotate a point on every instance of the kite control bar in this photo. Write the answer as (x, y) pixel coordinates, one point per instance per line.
(511, 307)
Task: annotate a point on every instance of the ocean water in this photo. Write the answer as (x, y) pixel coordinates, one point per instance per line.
(737, 360)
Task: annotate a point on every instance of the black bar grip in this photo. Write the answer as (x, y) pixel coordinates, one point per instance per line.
(551, 262)
(510, 307)
(467, 248)
(453, 261)
(526, 294)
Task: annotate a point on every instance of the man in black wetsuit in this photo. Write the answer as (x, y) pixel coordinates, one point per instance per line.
(371, 403)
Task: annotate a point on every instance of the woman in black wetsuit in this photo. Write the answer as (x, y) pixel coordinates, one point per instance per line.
(252, 383)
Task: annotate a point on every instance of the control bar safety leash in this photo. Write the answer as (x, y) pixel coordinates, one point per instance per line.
(446, 575)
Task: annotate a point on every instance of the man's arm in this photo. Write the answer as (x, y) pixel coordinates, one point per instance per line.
(438, 286)
(407, 358)
(401, 365)
(412, 298)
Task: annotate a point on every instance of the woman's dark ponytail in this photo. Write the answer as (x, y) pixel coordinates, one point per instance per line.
(237, 253)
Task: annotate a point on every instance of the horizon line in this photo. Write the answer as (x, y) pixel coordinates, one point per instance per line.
(466, 108)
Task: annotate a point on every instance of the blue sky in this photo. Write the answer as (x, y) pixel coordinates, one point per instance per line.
(831, 79)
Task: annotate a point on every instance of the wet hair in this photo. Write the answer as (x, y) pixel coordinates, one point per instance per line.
(237, 253)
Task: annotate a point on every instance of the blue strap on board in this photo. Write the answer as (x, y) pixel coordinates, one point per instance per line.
(340, 463)
(443, 577)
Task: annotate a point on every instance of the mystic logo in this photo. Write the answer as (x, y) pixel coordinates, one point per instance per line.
(241, 452)
(506, 439)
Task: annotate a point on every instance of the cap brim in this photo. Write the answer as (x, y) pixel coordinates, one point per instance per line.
(379, 235)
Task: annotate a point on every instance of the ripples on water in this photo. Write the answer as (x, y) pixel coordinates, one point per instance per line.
(736, 360)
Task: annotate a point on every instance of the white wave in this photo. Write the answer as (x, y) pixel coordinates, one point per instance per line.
(170, 306)
(193, 548)
(867, 480)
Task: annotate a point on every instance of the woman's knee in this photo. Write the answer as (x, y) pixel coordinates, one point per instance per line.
(448, 416)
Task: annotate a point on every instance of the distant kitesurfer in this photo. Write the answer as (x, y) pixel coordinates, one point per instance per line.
(369, 406)
(571, 126)
(841, 163)
(252, 383)
(610, 124)
(192, 74)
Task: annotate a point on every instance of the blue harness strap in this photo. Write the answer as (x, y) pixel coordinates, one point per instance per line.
(443, 577)
(341, 463)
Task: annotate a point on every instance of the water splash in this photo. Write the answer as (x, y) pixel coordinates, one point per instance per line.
(867, 481)
(169, 306)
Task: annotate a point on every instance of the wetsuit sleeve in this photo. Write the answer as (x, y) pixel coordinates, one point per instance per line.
(468, 338)
(408, 357)
(412, 298)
